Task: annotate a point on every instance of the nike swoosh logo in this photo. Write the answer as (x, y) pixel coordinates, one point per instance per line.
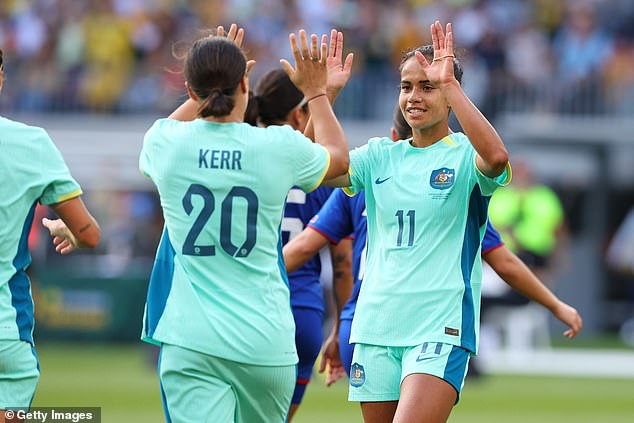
(380, 181)
(419, 359)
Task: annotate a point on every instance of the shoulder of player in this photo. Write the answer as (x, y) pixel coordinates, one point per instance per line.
(381, 143)
(278, 134)
(457, 139)
(8, 125)
(376, 146)
(11, 130)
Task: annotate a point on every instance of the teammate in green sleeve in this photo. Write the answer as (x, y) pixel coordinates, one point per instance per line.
(33, 171)
(218, 299)
(417, 317)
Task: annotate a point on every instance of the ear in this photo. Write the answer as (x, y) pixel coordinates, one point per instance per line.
(191, 92)
(393, 134)
(244, 84)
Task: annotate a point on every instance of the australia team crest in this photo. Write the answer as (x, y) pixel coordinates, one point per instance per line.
(357, 375)
(442, 178)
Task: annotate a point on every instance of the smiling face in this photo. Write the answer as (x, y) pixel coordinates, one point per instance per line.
(422, 104)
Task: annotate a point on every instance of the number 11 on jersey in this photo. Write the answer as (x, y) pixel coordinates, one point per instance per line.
(400, 216)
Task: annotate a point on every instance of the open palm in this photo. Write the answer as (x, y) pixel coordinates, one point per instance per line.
(440, 71)
(338, 70)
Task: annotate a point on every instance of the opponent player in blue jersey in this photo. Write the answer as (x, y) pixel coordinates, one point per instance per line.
(343, 215)
(218, 301)
(33, 171)
(276, 101)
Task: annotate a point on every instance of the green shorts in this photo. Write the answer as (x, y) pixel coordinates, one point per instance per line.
(197, 387)
(19, 373)
(377, 371)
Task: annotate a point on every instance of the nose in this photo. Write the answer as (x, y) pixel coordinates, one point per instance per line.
(414, 96)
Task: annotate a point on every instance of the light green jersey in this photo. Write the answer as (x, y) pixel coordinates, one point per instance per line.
(219, 285)
(427, 213)
(32, 170)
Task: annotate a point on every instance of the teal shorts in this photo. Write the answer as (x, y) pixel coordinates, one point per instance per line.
(377, 371)
(19, 373)
(197, 387)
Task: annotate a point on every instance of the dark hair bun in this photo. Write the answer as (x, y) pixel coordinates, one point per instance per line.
(214, 67)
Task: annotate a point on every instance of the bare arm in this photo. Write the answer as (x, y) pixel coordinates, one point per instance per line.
(342, 284)
(310, 76)
(338, 73)
(302, 248)
(519, 277)
(338, 182)
(342, 275)
(76, 227)
(492, 156)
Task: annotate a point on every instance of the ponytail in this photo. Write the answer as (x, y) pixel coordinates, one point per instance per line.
(218, 103)
(214, 67)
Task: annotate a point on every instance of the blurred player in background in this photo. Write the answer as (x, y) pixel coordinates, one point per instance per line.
(218, 302)
(343, 215)
(276, 101)
(33, 171)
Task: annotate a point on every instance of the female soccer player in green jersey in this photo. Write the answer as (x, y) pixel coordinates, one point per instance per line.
(417, 317)
(218, 300)
(33, 171)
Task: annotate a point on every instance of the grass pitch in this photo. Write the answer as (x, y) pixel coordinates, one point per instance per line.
(121, 379)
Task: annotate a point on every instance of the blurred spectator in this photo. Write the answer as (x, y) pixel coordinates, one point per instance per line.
(618, 77)
(114, 55)
(530, 218)
(581, 48)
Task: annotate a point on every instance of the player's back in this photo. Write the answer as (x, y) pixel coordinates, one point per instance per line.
(222, 189)
(30, 166)
(32, 170)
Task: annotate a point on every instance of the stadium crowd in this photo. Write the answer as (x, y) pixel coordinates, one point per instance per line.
(117, 55)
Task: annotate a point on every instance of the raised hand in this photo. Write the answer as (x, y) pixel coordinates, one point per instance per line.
(309, 74)
(236, 35)
(338, 70)
(440, 71)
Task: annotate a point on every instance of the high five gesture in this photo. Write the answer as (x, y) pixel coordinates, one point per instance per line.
(440, 71)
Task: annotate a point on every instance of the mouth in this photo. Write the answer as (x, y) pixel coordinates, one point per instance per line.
(415, 112)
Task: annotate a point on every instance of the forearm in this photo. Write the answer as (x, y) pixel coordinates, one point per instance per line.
(79, 226)
(302, 248)
(481, 133)
(342, 274)
(329, 133)
(309, 131)
(519, 277)
(295, 257)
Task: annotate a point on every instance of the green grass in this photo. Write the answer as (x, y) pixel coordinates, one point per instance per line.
(121, 380)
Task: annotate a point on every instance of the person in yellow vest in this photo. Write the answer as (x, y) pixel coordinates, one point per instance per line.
(530, 218)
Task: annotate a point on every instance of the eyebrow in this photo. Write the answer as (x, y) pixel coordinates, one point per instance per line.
(424, 81)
